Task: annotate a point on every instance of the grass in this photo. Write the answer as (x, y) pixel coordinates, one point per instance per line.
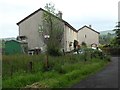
(0, 82)
(64, 71)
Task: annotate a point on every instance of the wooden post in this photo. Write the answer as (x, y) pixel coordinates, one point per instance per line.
(46, 63)
(11, 71)
(30, 66)
(91, 55)
(47, 66)
(63, 52)
(85, 56)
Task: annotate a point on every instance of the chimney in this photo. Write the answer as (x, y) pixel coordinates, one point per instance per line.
(90, 26)
(59, 14)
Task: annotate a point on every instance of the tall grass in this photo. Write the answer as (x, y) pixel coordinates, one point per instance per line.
(63, 70)
(20, 63)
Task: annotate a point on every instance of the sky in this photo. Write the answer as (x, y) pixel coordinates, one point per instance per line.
(100, 14)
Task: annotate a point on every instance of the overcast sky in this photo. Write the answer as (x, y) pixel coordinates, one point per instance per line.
(101, 14)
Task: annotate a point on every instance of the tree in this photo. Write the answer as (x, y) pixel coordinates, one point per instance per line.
(117, 38)
(52, 28)
(106, 39)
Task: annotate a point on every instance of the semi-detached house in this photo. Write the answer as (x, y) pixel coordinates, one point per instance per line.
(28, 30)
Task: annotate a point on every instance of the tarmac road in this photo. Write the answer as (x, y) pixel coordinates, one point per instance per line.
(107, 78)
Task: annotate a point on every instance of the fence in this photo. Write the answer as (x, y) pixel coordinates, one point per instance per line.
(112, 51)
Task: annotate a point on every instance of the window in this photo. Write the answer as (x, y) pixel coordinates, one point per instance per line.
(21, 38)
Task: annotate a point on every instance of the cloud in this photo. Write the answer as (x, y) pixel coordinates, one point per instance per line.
(102, 14)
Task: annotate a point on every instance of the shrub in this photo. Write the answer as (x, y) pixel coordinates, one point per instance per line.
(84, 44)
(53, 51)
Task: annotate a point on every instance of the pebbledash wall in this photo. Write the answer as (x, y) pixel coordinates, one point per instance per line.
(29, 27)
(69, 37)
(88, 35)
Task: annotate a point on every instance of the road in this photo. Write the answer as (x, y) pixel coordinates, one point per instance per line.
(107, 78)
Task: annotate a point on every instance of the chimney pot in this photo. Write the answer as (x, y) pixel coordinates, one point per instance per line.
(90, 26)
(60, 14)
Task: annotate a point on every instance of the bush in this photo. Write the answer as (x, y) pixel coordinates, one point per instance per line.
(53, 47)
(84, 44)
(54, 51)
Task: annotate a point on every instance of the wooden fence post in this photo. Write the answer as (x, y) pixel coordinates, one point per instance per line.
(63, 52)
(85, 56)
(30, 66)
(47, 65)
(11, 71)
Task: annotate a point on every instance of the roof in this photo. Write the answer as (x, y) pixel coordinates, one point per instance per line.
(40, 9)
(66, 23)
(89, 28)
(15, 41)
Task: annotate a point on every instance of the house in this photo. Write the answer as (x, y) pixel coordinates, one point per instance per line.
(29, 31)
(28, 27)
(88, 35)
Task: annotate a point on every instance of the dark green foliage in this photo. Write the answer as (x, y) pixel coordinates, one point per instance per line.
(114, 51)
(97, 54)
(106, 39)
(89, 53)
(116, 41)
(53, 48)
(117, 31)
(114, 45)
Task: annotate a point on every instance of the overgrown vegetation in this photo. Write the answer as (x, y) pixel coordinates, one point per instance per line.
(25, 71)
(110, 43)
(106, 38)
(116, 40)
(52, 30)
(64, 71)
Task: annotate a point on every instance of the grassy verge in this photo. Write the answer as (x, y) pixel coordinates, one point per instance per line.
(64, 71)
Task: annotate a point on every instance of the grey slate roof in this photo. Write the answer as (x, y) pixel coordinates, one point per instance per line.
(89, 28)
(66, 23)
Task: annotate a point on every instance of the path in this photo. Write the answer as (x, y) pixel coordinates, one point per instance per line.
(107, 78)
